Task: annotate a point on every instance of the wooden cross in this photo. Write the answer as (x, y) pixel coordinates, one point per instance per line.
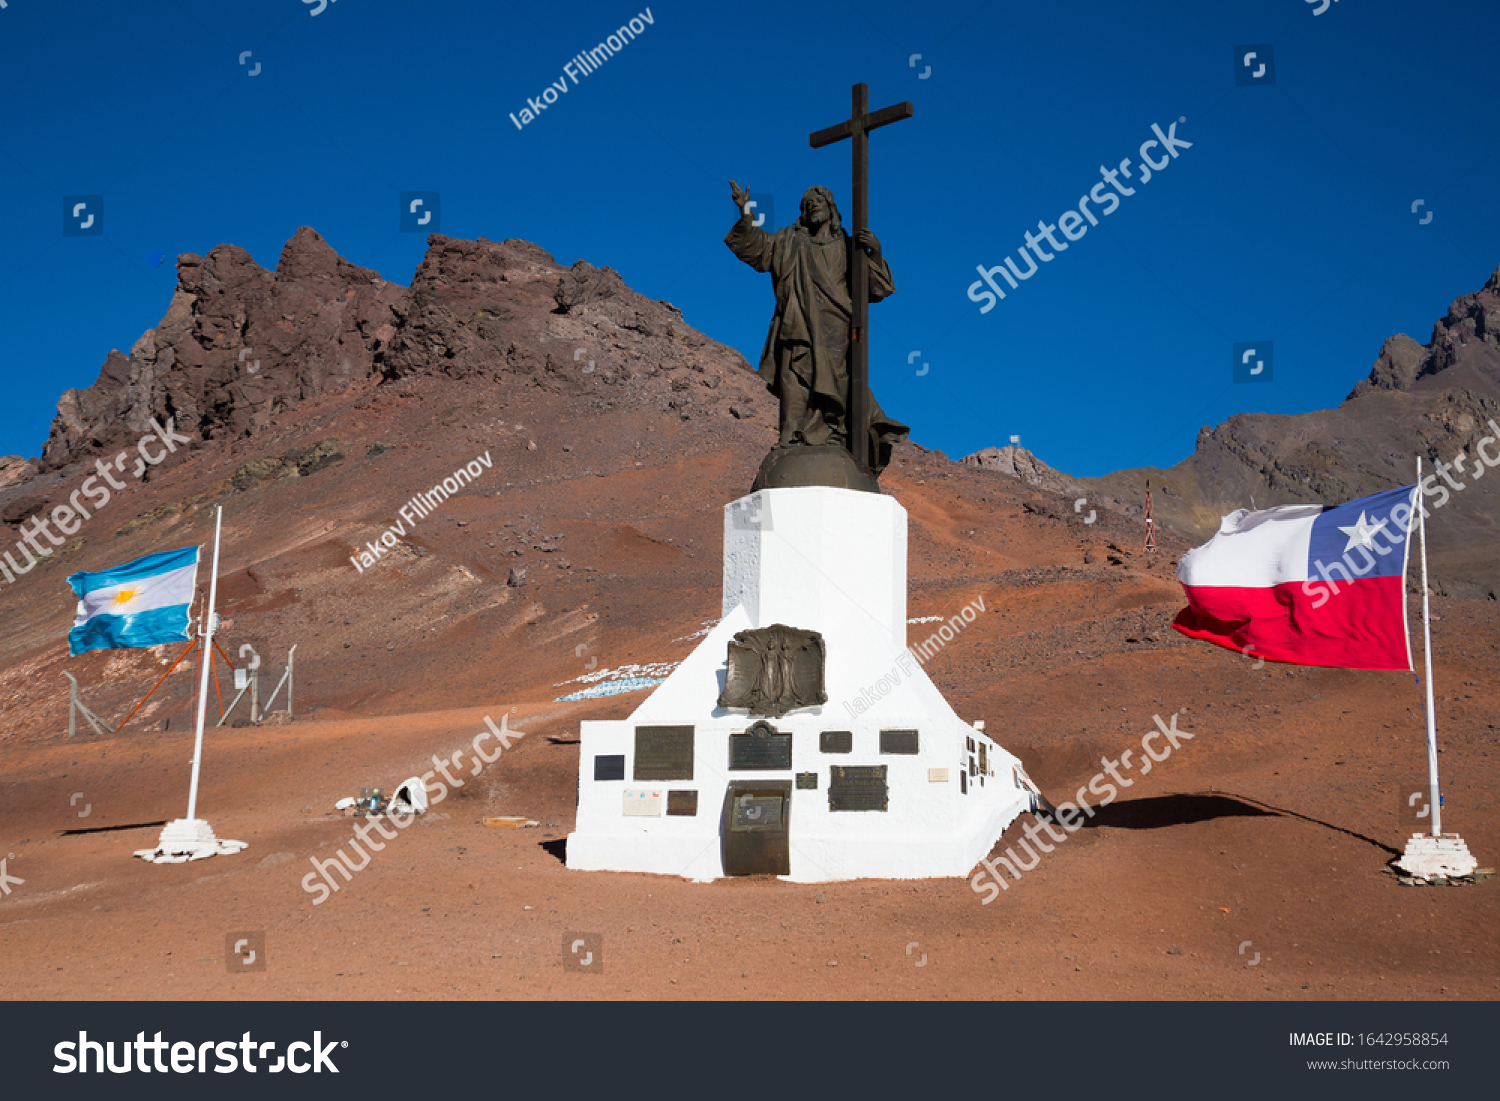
(858, 127)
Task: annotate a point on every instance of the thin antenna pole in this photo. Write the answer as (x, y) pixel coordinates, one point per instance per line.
(1432, 756)
(208, 636)
(1149, 544)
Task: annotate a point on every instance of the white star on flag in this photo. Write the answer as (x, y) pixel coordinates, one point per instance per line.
(1362, 532)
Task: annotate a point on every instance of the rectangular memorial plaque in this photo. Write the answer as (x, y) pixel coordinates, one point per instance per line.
(642, 804)
(663, 753)
(807, 781)
(898, 741)
(683, 803)
(609, 766)
(963, 782)
(937, 775)
(984, 763)
(837, 741)
(772, 751)
(858, 787)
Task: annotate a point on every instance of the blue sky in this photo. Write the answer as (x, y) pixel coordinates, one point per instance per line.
(1289, 220)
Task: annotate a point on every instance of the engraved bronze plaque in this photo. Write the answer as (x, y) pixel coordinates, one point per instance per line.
(898, 741)
(609, 766)
(837, 741)
(684, 803)
(984, 764)
(858, 787)
(963, 782)
(663, 753)
(760, 747)
(807, 781)
(773, 670)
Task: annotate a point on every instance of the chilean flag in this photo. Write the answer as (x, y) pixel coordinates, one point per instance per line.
(1307, 584)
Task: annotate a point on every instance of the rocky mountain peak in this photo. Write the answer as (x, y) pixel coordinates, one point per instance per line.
(239, 344)
(1465, 343)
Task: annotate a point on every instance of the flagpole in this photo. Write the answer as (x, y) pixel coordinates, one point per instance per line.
(207, 632)
(1432, 756)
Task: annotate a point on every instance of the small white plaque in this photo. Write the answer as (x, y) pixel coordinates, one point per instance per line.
(644, 804)
(937, 775)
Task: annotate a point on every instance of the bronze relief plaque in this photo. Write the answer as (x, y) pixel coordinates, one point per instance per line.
(773, 670)
(663, 753)
(807, 781)
(858, 787)
(682, 803)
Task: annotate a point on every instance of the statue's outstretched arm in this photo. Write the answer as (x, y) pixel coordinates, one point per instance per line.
(747, 241)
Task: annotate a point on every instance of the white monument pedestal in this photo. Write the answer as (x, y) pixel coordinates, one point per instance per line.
(883, 780)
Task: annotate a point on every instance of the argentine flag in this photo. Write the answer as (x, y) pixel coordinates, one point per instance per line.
(142, 603)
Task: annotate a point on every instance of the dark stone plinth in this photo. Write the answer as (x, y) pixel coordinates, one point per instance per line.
(797, 465)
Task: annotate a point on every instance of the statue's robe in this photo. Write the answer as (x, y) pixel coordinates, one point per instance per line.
(805, 362)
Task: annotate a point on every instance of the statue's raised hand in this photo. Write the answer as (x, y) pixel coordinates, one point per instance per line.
(741, 198)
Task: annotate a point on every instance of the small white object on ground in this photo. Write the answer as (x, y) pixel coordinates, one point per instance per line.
(410, 797)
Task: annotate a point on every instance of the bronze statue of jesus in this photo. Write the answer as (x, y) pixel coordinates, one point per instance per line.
(805, 359)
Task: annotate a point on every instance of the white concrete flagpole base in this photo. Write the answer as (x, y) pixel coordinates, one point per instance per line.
(184, 839)
(1429, 857)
